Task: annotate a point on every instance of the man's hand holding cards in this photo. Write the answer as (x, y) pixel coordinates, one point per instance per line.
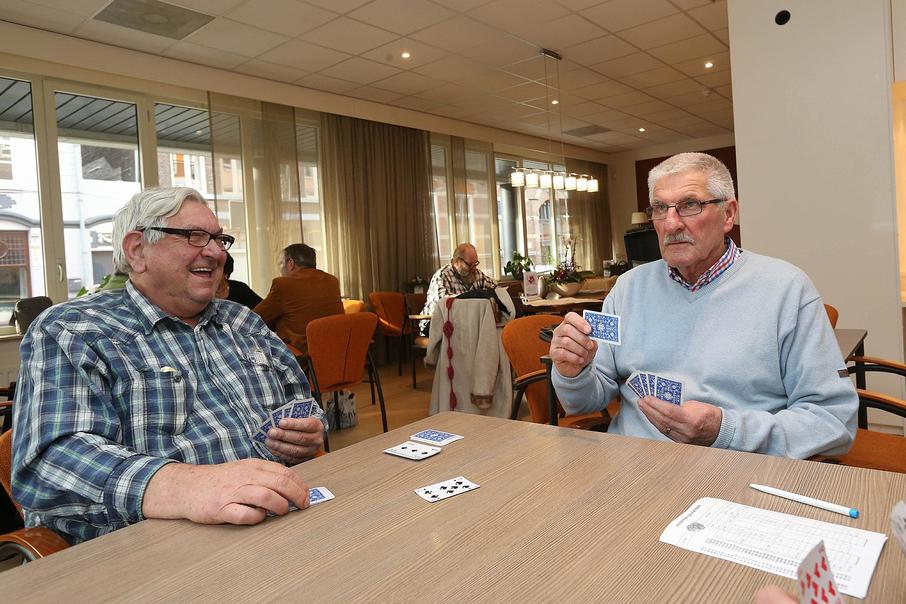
(291, 433)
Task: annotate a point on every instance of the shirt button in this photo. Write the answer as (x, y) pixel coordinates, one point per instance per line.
(177, 379)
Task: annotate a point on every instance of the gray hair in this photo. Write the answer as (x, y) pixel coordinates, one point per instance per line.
(148, 208)
(720, 183)
(461, 249)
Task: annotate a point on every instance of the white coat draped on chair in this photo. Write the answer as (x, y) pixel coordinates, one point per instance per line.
(473, 371)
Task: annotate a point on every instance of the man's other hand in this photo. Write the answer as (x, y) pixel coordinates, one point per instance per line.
(237, 492)
(692, 422)
(296, 440)
(571, 348)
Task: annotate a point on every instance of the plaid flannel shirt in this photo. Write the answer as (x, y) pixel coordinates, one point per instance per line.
(445, 283)
(716, 270)
(111, 389)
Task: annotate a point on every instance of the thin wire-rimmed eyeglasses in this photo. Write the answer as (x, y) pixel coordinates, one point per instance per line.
(195, 237)
(686, 207)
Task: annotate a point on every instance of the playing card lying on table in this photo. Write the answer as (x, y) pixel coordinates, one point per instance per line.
(446, 489)
(604, 327)
(649, 384)
(816, 579)
(294, 409)
(435, 437)
(413, 450)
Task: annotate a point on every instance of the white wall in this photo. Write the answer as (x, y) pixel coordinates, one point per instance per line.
(812, 112)
(621, 179)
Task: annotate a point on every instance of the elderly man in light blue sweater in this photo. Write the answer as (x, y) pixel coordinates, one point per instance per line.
(746, 334)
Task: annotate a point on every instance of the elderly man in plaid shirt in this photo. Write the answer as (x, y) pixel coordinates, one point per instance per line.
(142, 402)
(458, 277)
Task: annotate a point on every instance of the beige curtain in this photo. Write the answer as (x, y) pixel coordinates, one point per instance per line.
(378, 216)
(590, 217)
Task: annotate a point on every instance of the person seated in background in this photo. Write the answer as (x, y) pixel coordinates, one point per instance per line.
(745, 334)
(301, 294)
(236, 291)
(460, 276)
(143, 402)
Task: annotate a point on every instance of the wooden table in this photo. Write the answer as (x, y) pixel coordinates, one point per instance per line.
(561, 514)
(565, 305)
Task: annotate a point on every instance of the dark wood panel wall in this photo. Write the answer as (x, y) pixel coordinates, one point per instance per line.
(725, 154)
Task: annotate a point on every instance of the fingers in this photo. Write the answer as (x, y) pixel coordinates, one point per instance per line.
(282, 482)
(571, 348)
(668, 418)
(296, 439)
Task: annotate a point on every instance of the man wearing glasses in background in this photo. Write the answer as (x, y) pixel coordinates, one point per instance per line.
(142, 402)
(458, 277)
(747, 335)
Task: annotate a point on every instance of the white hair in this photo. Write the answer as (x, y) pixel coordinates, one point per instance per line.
(720, 183)
(149, 208)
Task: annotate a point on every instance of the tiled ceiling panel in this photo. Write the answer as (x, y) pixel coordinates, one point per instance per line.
(627, 64)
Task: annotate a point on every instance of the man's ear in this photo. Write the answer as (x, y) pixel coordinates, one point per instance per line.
(732, 209)
(134, 250)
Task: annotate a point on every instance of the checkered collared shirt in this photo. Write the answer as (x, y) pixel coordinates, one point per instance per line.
(446, 282)
(716, 270)
(111, 388)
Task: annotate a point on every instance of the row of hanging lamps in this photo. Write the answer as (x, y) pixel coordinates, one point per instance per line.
(547, 179)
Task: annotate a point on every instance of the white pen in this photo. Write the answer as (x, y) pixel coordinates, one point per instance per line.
(818, 503)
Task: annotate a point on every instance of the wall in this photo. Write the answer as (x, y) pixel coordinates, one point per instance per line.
(621, 181)
(812, 112)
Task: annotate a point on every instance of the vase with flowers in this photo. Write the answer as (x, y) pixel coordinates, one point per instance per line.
(566, 279)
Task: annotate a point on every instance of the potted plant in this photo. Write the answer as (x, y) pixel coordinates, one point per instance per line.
(565, 279)
(518, 265)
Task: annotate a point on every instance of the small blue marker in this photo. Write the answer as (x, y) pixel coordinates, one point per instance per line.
(818, 503)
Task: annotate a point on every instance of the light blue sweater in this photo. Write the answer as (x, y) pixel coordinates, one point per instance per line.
(756, 342)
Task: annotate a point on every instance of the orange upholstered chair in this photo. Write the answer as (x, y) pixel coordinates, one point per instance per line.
(390, 307)
(30, 543)
(353, 306)
(524, 347)
(339, 353)
(832, 315)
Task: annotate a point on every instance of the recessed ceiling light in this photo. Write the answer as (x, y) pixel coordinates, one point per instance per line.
(641, 129)
(709, 65)
(406, 54)
(555, 102)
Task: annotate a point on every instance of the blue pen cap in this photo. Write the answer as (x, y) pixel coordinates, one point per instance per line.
(853, 513)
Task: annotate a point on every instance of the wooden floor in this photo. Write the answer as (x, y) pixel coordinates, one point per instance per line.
(404, 405)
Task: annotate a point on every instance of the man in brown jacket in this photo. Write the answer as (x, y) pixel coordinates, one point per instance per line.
(303, 293)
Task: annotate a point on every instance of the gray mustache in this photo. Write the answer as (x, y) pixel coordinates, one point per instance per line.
(678, 238)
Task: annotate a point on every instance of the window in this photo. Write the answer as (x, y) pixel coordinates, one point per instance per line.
(97, 142)
(473, 213)
(509, 211)
(21, 254)
(439, 167)
(308, 152)
(6, 161)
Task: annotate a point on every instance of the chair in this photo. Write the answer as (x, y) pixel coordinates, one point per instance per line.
(524, 346)
(338, 353)
(27, 310)
(390, 308)
(872, 449)
(832, 315)
(414, 305)
(30, 543)
(353, 306)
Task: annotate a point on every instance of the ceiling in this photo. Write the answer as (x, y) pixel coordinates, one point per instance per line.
(626, 64)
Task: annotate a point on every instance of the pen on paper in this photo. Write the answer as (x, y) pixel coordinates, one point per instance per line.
(818, 503)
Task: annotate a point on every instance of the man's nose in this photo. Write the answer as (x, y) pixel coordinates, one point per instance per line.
(672, 221)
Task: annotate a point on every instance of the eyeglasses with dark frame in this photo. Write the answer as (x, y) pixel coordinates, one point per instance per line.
(469, 264)
(686, 207)
(195, 237)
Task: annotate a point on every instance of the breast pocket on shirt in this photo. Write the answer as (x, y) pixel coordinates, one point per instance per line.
(160, 401)
(262, 381)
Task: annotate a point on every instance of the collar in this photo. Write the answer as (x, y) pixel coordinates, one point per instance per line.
(716, 270)
(150, 314)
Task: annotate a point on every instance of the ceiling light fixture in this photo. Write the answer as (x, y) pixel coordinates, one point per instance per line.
(641, 129)
(547, 179)
(406, 54)
(709, 65)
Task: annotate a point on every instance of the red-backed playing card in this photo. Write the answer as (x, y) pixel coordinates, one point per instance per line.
(816, 579)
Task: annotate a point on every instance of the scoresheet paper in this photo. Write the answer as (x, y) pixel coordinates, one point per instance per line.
(776, 542)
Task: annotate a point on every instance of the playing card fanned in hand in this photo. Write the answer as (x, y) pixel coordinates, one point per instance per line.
(816, 579)
(604, 327)
(294, 409)
(650, 384)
